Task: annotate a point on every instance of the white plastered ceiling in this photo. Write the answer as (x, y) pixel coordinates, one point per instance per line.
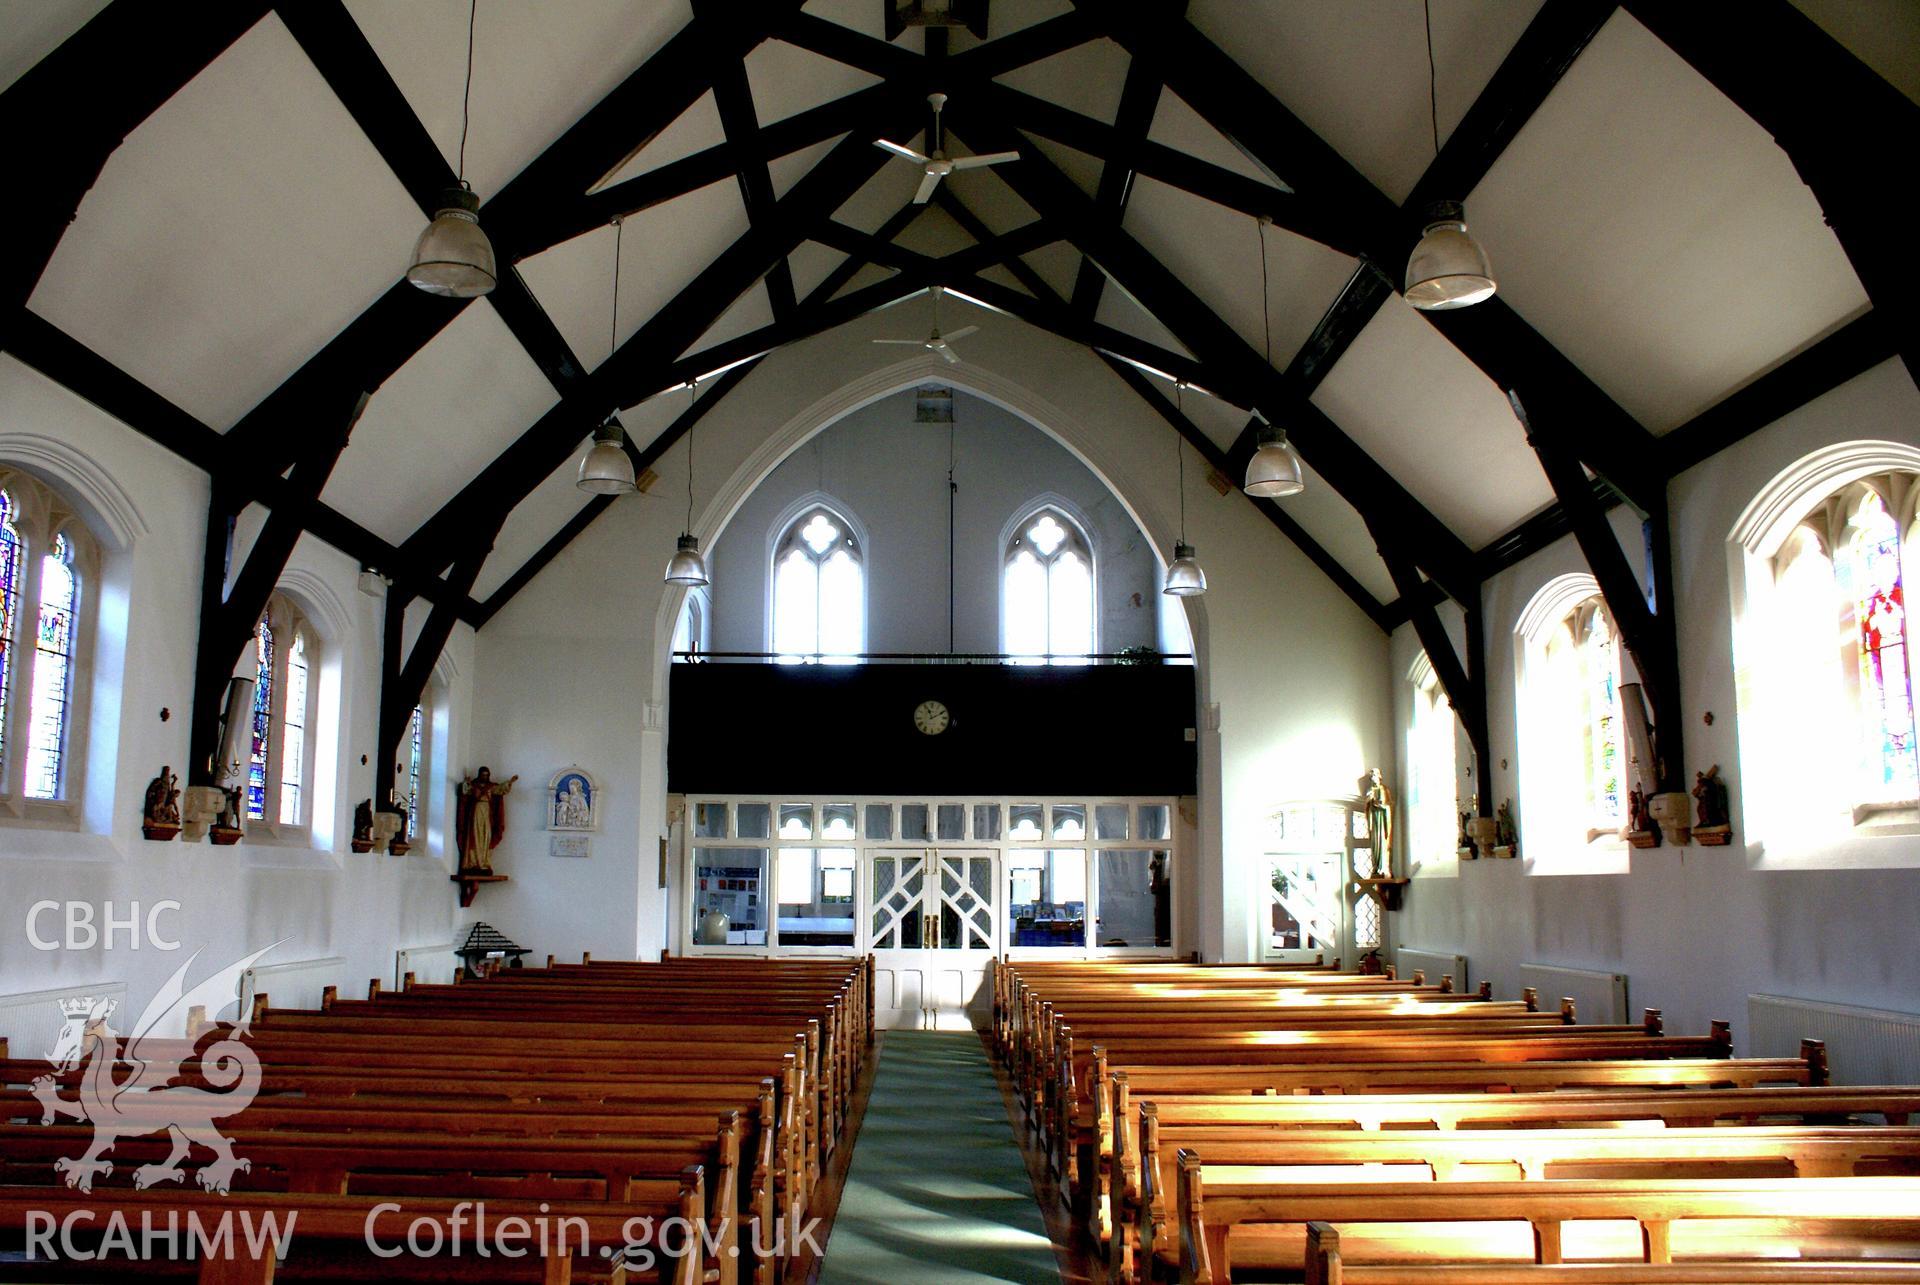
(437, 423)
(232, 234)
(1656, 235)
(1640, 221)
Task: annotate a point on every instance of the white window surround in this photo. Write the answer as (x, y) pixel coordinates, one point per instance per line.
(291, 620)
(777, 535)
(1424, 855)
(1079, 526)
(1773, 820)
(1545, 848)
(41, 516)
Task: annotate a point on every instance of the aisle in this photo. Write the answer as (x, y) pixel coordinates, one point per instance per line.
(937, 1191)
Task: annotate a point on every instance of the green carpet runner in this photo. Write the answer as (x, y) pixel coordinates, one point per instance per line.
(937, 1191)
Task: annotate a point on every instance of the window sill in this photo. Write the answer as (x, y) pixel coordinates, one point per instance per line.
(39, 814)
(1887, 818)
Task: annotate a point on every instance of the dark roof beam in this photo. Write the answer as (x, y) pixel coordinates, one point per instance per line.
(1334, 455)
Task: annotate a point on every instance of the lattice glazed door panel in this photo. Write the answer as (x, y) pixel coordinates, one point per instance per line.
(898, 890)
(966, 901)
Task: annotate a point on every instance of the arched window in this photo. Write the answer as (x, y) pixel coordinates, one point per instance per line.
(819, 589)
(46, 561)
(416, 760)
(12, 558)
(1837, 664)
(1433, 772)
(280, 761)
(1573, 753)
(1047, 590)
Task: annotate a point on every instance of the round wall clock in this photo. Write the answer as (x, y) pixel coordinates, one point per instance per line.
(931, 718)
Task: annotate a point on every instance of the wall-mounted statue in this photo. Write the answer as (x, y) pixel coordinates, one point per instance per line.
(1379, 801)
(480, 820)
(1710, 794)
(1506, 834)
(160, 818)
(363, 826)
(1640, 831)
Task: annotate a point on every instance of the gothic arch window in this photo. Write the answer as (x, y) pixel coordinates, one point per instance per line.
(1573, 753)
(819, 589)
(1433, 772)
(280, 766)
(1047, 589)
(49, 566)
(1837, 660)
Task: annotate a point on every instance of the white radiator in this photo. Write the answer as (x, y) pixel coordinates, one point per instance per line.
(1864, 1045)
(1407, 960)
(294, 984)
(430, 965)
(1598, 998)
(31, 1022)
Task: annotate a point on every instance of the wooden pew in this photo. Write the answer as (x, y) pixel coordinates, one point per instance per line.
(1325, 1266)
(1144, 1208)
(1527, 1221)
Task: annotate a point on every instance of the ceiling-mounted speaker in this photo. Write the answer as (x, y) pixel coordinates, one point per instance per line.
(901, 14)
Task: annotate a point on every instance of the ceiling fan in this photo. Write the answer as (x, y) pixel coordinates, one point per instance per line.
(936, 342)
(938, 166)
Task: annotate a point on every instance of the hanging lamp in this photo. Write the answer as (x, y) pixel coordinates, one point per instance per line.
(1185, 579)
(453, 257)
(1448, 268)
(687, 567)
(607, 469)
(1274, 471)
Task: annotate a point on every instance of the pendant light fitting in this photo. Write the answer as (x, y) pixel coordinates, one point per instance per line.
(687, 567)
(607, 469)
(1275, 470)
(453, 257)
(1448, 268)
(1185, 579)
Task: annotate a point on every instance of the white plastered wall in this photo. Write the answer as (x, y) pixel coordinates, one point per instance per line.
(574, 669)
(1695, 929)
(149, 509)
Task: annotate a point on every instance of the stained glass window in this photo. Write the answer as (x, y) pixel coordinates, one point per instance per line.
(52, 673)
(416, 741)
(1046, 606)
(1869, 575)
(819, 591)
(12, 557)
(293, 746)
(262, 720)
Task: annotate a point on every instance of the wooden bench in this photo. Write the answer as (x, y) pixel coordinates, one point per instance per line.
(1633, 1219)
(1144, 1208)
(1325, 1266)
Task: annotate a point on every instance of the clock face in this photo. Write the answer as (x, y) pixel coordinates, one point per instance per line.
(931, 718)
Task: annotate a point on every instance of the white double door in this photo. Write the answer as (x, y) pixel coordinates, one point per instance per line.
(933, 924)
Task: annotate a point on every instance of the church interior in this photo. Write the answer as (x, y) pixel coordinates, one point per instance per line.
(1180, 640)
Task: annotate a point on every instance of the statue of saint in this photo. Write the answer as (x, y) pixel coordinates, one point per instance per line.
(1379, 800)
(163, 799)
(480, 821)
(1711, 793)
